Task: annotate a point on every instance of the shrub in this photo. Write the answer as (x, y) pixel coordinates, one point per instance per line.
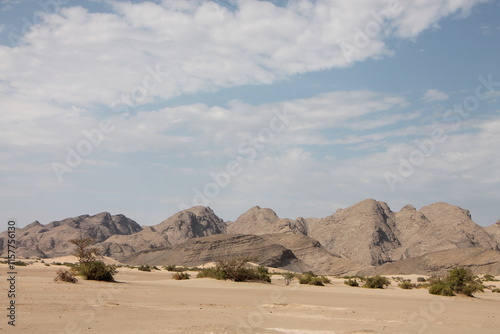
(288, 277)
(145, 268)
(170, 267)
(64, 275)
(398, 279)
(489, 278)
(19, 263)
(407, 285)
(212, 273)
(376, 282)
(458, 281)
(421, 279)
(495, 290)
(310, 278)
(236, 270)
(351, 282)
(181, 276)
(97, 271)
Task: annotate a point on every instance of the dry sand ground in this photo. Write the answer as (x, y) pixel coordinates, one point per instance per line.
(151, 302)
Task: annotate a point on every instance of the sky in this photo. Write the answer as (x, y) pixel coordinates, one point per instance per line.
(146, 108)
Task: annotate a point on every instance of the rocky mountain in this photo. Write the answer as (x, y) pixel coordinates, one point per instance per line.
(195, 222)
(494, 231)
(365, 236)
(264, 221)
(37, 240)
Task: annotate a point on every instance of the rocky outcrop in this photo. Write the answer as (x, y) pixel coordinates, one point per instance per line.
(264, 221)
(480, 260)
(198, 251)
(37, 240)
(365, 232)
(195, 222)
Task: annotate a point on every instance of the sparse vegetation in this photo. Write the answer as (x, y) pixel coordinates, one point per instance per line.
(288, 277)
(236, 270)
(181, 276)
(65, 275)
(458, 281)
(489, 278)
(407, 285)
(312, 279)
(351, 282)
(89, 266)
(495, 290)
(146, 267)
(421, 279)
(377, 282)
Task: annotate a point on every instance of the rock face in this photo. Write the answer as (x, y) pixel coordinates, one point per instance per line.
(196, 222)
(365, 232)
(37, 240)
(360, 237)
(494, 231)
(480, 260)
(198, 251)
(264, 221)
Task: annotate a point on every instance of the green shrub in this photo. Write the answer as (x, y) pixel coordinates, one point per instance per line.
(288, 277)
(236, 270)
(458, 281)
(97, 271)
(145, 268)
(310, 278)
(376, 282)
(181, 276)
(407, 285)
(65, 275)
(351, 282)
(170, 267)
(19, 263)
(421, 279)
(489, 278)
(212, 273)
(495, 290)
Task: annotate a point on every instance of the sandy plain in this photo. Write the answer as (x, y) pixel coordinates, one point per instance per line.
(152, 302)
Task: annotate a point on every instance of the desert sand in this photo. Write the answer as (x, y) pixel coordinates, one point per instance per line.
(152, 302)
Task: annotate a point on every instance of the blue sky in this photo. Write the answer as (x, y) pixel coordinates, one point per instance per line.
(148, 107)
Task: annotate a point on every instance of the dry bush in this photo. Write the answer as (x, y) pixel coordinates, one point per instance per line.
(65, 275)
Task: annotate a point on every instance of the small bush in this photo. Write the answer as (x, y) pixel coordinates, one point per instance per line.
(377, 282)
(145, 268)
(351, 282)
(495, 290)
(64, 275)
(288, 277)
(181, 276)
(489, 278)
(170, 267)
(441, 288)
(236, 270)
(212, 273)
(310, 278)
(97, 271)
(398, 279)
(407, 285)
(421, 279)
(47, 265)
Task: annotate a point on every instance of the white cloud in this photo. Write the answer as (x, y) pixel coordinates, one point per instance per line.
(433, 95)
(77, 57)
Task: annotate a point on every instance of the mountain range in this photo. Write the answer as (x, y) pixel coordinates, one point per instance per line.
(365, 238)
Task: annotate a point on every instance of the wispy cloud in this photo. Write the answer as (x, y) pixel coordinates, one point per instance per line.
(433, 95)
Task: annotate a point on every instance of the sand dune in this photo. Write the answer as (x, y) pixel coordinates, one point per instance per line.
(151, 302)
